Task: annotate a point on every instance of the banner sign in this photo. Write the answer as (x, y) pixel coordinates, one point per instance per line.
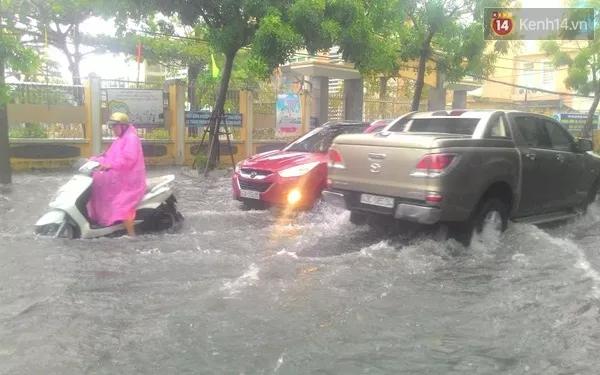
(144, 107)
(197, 119)
(289, 117)
(574, 122)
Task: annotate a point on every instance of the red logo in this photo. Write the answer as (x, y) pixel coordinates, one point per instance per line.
(502, 23)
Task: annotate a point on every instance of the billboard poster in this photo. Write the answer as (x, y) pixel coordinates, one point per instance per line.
(289, 117)
(144, 107)
(574, 122)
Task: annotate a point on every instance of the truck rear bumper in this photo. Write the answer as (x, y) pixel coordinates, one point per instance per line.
(404, 211)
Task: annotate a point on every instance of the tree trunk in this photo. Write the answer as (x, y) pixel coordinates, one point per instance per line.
(215, 118)
(75, 72)
(5, 171)
(421, 72)
(589, 122)
(192, 75)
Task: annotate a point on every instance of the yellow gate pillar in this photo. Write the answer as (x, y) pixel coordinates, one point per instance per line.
(177, 120)
(305, 101)
(246, 109)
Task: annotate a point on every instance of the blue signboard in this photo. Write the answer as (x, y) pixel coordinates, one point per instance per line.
(197, 119)
(574, 122)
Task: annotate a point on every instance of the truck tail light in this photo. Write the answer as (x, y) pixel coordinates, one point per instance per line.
(432, 165)
(335, 159)
(433, 198)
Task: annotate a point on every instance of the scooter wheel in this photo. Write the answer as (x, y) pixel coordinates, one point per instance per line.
(68, 232)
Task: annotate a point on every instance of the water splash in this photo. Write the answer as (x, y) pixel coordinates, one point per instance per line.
(249, 278)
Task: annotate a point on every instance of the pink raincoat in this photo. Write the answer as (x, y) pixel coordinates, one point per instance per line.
(117, 191)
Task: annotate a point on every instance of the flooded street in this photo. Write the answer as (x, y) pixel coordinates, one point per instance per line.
(248, 292)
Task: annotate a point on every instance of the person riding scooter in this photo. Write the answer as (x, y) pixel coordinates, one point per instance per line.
(119, 184)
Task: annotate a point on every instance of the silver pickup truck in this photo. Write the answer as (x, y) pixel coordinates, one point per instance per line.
(464, 168)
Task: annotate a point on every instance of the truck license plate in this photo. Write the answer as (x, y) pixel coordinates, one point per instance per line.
(377, 200)
(249, 194)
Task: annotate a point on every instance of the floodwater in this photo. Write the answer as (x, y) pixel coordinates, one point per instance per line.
(250, 292)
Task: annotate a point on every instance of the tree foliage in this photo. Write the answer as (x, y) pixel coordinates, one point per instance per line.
(18, 58)
(447, 32)
(58, 24)
(582, 59)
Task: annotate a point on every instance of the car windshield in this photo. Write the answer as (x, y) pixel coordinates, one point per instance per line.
(442, 125)
(320, 139)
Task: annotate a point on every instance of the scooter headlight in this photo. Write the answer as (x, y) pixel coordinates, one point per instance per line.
(238, 167)
(299, 170)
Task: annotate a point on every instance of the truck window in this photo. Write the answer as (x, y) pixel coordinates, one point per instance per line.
(400, 125)
(498, 128)
(443, 125)
(533, 131)
(560, 139)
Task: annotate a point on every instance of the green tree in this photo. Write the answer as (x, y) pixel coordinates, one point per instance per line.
(231, 25)
(448, 32)
(360, 28)
(18, 58)
(272, 30)
(58, 23)
(162, 45)
(582, 59)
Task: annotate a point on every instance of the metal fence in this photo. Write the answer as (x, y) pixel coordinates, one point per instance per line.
(207, 100)
(120, 84)
(375, 108)
(48, 94)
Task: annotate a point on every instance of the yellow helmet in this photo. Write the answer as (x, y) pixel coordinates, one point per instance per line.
(119, 118)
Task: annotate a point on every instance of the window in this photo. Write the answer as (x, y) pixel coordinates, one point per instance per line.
(498, 128)
(320, 139)
(527, 75)
(548, 75)
(443, 125)
(533, 131)
(560, 139)
(400, 125)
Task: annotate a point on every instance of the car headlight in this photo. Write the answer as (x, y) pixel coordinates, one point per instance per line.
(299, 170)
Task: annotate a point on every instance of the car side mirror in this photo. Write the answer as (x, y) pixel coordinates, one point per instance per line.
(584, 145)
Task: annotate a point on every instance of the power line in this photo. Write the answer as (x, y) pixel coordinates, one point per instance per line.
(537, 89)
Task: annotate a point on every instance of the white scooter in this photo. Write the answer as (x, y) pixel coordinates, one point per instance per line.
(68, 216)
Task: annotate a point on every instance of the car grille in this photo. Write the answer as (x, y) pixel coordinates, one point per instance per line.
(259, 186)
(255, 172)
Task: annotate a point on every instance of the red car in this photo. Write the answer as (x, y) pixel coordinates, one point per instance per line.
(294, 176)
(378, 125)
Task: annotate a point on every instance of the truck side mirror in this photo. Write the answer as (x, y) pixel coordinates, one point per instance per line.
(584, 145)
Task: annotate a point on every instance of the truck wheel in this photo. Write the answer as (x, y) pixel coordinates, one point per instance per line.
(591, 197)
(491, 214)
(358, 218)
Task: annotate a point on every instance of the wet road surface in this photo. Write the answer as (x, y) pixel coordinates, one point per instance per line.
(249, 292)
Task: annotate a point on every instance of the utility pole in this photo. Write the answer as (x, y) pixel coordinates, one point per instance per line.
(5, 171)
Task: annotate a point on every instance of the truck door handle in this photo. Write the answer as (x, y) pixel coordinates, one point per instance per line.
(530, 156)
(561, 158)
